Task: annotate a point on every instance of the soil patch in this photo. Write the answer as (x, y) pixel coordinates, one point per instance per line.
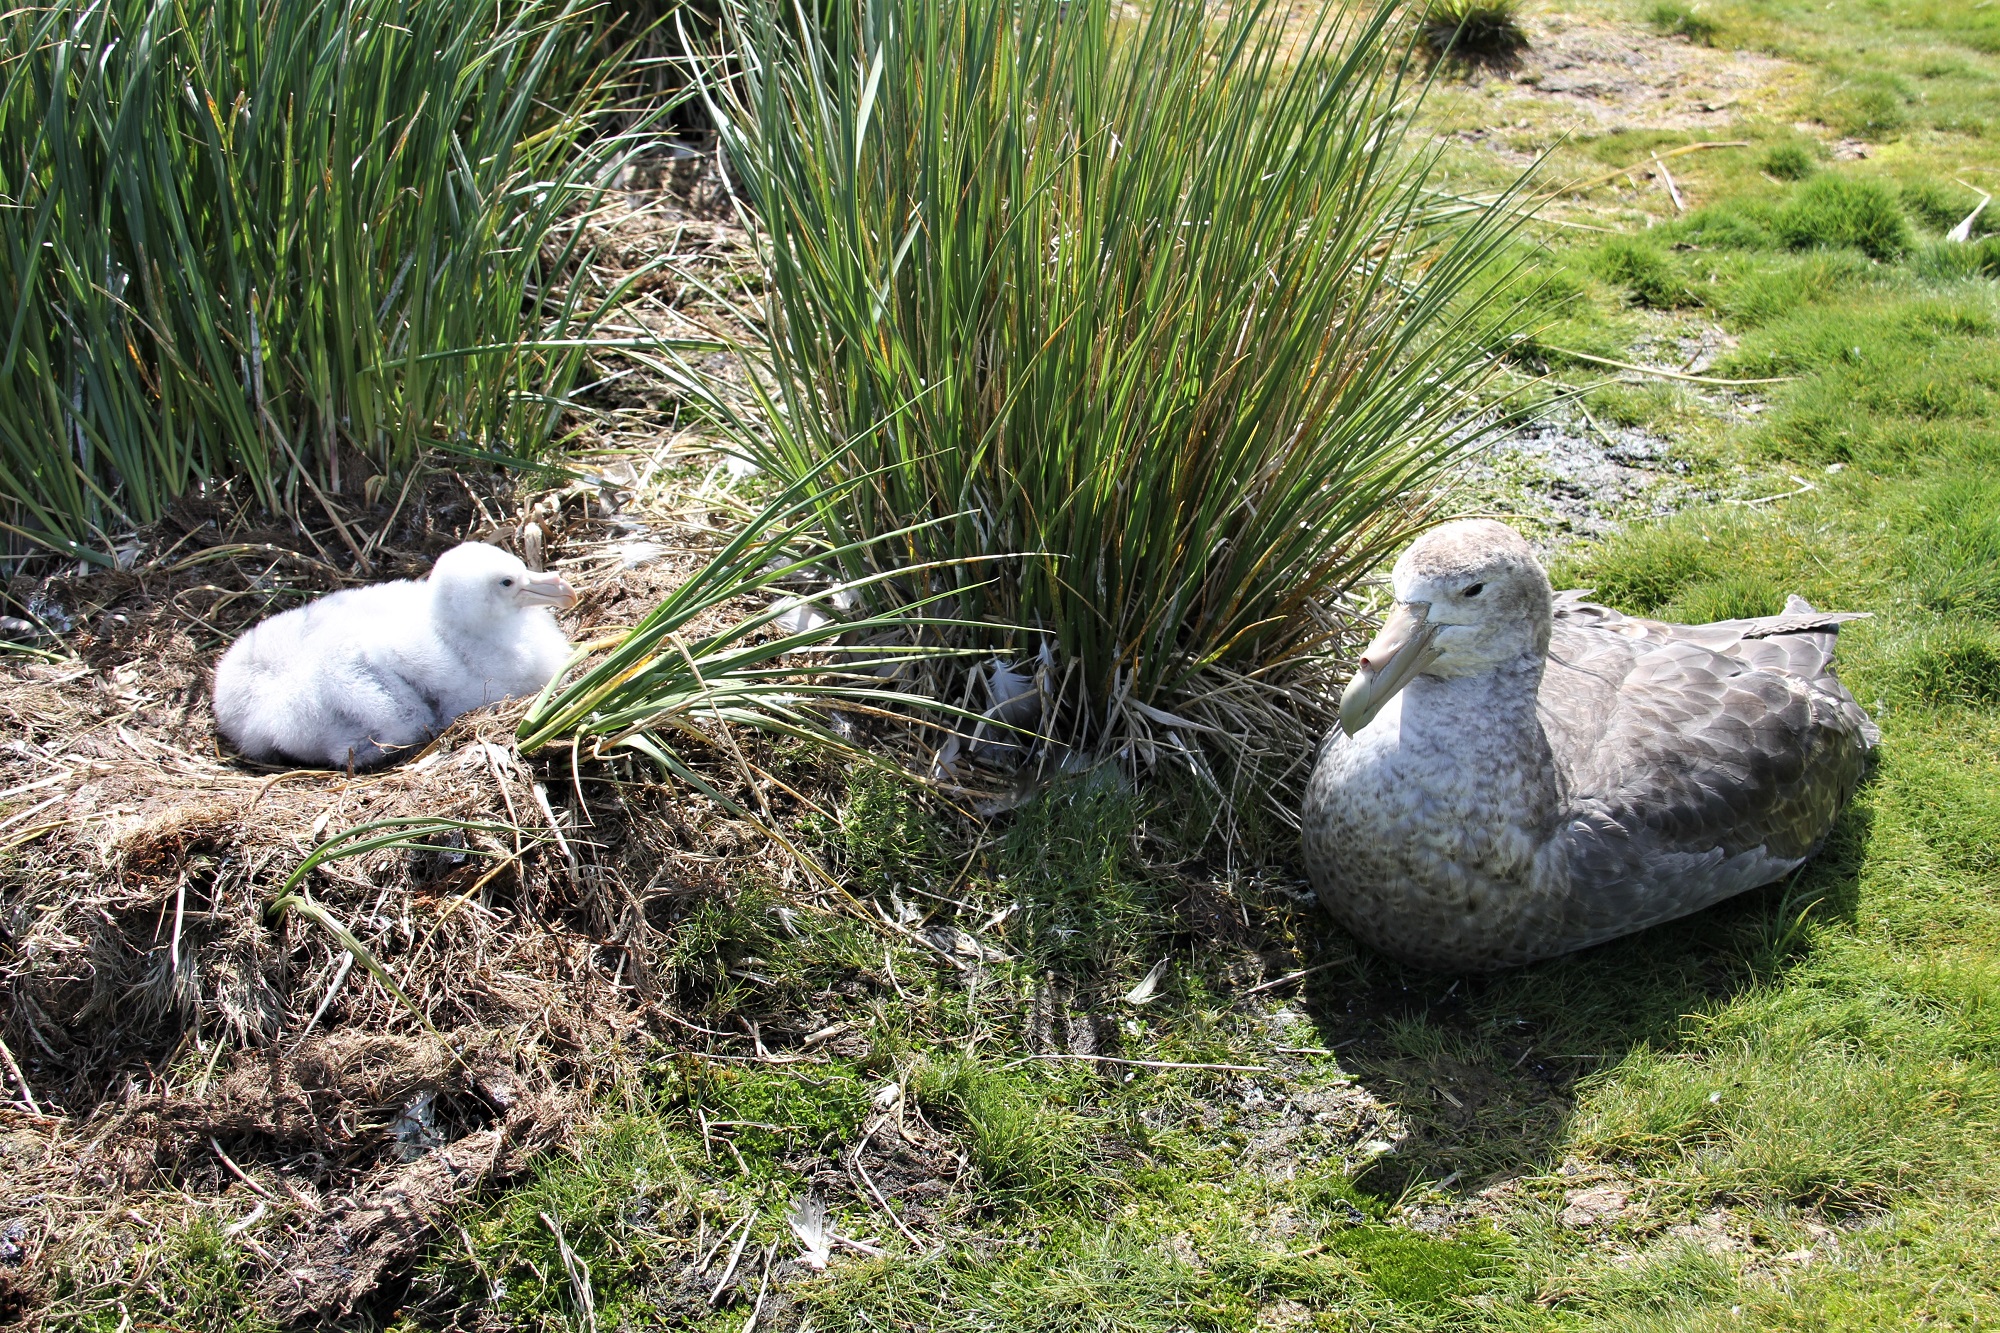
(1624, 76)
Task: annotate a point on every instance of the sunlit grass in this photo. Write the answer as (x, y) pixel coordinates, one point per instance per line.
(285, 247)
(1796, 1089)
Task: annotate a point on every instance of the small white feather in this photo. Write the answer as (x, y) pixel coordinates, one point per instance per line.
(809, 1223)
(1149, 986)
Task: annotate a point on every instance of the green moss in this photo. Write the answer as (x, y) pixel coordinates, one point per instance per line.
(1336, 1197)
(1426, 1272)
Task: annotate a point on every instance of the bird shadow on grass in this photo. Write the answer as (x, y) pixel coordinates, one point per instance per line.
(1485, 1071)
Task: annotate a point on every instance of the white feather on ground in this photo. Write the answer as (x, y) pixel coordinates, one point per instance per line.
(359, 675)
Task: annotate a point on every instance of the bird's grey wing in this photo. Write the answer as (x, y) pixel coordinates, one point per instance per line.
(1588, 661)
(1715, 772)
(1799, 641)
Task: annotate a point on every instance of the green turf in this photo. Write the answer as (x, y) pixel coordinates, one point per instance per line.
(1796, 1095)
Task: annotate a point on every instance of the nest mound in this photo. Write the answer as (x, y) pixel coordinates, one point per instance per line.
(172, 1040)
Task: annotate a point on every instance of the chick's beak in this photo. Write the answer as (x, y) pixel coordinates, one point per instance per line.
(548, 590)
(1400, 651)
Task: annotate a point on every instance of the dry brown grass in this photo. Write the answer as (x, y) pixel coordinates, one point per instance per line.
(177, 1053)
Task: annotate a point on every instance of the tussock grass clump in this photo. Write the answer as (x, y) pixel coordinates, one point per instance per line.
(1845, 211)
(1951, 664)
(1733, 225)
(1790, 161)
(1874, 104)
(1474, 34)
(1956, 260)
(1762, 292)
(1935, 204)
(1160, 331)
(1646, 271)
(287, 245)
(1681, 20)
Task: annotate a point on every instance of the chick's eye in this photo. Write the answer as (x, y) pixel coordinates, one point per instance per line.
(1475, 590)
(506, 583)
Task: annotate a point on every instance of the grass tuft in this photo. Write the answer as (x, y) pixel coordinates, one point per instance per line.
(1473, 34)
(1647, 272)
(1681, 20)
(1953, 664)
(1029, 1150)
(1844, 211)
(1940, 206)
(1873, 104)
(1790, 161)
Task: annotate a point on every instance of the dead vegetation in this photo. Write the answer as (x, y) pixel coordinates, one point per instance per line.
(170, 1042)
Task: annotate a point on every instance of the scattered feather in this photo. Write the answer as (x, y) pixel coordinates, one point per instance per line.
(1149, 986)
(809, 1223)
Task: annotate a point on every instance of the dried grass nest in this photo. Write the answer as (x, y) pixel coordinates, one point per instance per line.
(165, 1040)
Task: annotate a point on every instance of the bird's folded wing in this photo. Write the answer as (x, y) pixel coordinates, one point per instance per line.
(1709, 751)
(1711, 775)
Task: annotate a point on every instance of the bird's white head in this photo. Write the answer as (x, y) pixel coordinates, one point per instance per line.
(1470, 597)
(479, 589)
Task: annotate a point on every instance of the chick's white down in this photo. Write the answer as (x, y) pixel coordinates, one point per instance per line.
(356, 676)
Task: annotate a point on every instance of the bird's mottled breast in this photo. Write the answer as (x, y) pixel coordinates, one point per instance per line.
(1421, 831)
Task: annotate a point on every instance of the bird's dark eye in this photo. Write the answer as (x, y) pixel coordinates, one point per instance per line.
(1475, 590)
(506, 583)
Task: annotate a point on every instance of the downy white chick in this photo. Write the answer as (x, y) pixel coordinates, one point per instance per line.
(358, 675)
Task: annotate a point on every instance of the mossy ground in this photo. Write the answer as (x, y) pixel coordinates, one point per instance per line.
(1783, 1113)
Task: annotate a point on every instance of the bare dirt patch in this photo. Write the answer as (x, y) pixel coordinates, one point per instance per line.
(1624, 76)
(1575, 479)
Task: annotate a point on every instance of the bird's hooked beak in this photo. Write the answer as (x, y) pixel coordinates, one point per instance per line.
(1401, 650)
(547, 590)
